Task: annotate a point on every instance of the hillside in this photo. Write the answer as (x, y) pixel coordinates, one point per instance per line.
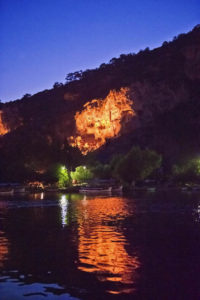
(159, 109)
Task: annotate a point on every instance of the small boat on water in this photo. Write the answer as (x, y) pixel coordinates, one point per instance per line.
(95, 190)
(117, 189)
(195, 188)
(20, 189)
(49, 189)
(151, 189)
(6, 191)
(144, 189)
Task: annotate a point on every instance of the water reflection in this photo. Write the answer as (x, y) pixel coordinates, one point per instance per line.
(3, 249)
(102, 245)
(63, 202)
(139, 248)
(37, 196)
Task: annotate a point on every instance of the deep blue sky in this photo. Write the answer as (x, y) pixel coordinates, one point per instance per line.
(43, 40)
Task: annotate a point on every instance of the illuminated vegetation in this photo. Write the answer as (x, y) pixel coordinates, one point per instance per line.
(63, 177)
(81, 174)
(187, 171)
(136, 165)
(101, 120)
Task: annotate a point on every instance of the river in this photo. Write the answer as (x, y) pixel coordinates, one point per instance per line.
(71, 246)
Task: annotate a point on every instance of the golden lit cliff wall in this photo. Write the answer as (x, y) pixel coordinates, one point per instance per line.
(100, 120)
(3, 127)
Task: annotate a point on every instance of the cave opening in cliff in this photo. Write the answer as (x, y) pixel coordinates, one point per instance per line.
(101, 119)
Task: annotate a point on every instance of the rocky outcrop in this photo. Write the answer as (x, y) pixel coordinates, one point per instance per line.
(163, 85)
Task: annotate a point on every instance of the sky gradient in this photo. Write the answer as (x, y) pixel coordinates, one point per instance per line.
(43, 40)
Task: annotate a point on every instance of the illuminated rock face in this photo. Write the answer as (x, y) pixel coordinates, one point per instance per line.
(3, 128)
(100, 120)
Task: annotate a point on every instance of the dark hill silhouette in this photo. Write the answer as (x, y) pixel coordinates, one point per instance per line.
(164, 85)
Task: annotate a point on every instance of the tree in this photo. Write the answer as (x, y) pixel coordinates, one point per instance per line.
(74, 76)
(165, 43)
(26, 96)
(63, 176)
(114, 161)
(57, 85)
(102, 171)
(81, 174)
(187, 171)
(137, 165)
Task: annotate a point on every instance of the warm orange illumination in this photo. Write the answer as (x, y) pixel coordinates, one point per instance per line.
(102, 247)
(3, 128)
(3, 249)
(100, 120)
(36, 184)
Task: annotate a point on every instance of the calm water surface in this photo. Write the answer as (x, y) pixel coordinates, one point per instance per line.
(61, 246)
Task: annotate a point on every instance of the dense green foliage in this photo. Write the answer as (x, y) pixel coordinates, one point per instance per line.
(187, 171)
(101, 171)
(63, 177)
(81, 174)
(137, 164)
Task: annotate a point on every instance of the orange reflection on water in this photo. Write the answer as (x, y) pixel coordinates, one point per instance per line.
(3, 249)
(37, 196)
(102, 245)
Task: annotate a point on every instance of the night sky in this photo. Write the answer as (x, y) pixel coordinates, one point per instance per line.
(43, 40)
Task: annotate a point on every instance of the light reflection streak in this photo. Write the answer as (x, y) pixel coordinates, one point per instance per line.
(63, 202)
(3, 249)
(102, 245)
(197, 213)
(37, 196)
